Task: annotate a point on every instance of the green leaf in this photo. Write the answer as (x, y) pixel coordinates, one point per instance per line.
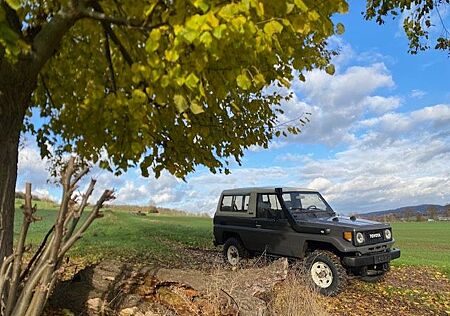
(259, 80)
(196, 108)
(301, 5)
(340, 29)
(313, 15)
(206, 39)
(201, 4)
(218, 31)
(180, 103)
(190, 35)
(14, 4)
(243, 81)
(273, 27)
(171, 55)
(191, 81)
(330, 69)
(152, 43)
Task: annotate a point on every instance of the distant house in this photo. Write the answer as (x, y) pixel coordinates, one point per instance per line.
(443, 218)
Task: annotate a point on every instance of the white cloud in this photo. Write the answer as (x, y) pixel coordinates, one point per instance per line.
(337, 102)
(379, 104)
(417, 93)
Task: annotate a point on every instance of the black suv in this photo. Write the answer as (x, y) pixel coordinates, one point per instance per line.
(299, 223)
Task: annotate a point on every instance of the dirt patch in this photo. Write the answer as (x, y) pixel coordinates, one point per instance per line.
(111, 287)
(201, 284)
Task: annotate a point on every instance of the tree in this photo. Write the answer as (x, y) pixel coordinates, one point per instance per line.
(159, 84)
(432, 212)
(408, 213)
(419, 217)
(419, 17)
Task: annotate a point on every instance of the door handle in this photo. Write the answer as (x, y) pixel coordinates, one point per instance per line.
(258, 226)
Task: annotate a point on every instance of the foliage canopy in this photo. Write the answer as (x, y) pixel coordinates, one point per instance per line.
(167, 84)
(418, 17)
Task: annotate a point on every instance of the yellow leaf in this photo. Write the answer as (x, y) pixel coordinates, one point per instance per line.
(196, 108)
(14, 4)
(330, 69)
(180, 103)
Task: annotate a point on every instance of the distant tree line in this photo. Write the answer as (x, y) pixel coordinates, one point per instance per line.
(411, 215)
(21, 195)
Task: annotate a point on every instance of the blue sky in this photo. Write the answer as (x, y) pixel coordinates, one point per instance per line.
(379, 135)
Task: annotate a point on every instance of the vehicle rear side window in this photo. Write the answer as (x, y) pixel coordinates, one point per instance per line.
(235, 203)
(227, 201)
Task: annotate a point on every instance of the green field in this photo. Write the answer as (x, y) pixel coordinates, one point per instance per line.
(423, 243)
(125, 235)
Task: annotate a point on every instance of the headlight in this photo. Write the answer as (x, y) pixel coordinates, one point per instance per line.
(387, 234)
(359, 238)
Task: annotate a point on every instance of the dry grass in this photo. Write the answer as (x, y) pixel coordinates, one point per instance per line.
(296, 297)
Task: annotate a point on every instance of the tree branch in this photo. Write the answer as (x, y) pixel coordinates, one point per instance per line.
(119, 44)
(12, 18)
(109, 59)
(46, 42)
(113, 36)
(36, 254)
(99, 15)
(47, 91)
(27, 219)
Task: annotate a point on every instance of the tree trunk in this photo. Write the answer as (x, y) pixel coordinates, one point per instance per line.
(14, 101)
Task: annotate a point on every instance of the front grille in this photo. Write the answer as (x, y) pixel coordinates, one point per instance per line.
(373, 236)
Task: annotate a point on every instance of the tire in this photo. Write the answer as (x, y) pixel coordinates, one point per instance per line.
(326, 272)
(234, 251)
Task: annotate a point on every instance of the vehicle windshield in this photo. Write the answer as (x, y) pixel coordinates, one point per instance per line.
(306, 202)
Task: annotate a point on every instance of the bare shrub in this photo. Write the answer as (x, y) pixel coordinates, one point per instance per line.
(296, 296)
(25, 289)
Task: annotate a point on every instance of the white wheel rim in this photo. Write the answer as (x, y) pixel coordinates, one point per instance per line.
(321, 274)
(233, 255)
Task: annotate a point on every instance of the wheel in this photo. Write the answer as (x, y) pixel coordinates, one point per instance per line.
(234, 251)
(375, 276)
(327, 274)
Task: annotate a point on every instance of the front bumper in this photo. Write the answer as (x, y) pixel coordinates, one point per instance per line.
(372, 259)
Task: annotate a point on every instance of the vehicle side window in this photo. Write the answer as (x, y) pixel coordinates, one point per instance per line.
(269, 207)
(226, 204)
(246, 202)
(235, 203)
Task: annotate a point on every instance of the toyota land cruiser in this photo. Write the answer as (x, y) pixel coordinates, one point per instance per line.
(299, 223)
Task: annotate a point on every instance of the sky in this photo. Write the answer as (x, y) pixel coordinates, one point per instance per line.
(379, 136)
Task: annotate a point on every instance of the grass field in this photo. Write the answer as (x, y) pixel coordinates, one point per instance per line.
(127, 236)
(424, 244)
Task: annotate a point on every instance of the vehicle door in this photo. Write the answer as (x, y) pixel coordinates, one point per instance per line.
(275, 234)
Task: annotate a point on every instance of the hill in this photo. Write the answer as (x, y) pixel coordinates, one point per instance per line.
(414, 210)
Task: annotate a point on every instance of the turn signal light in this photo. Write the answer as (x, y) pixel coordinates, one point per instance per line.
(348, 236)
